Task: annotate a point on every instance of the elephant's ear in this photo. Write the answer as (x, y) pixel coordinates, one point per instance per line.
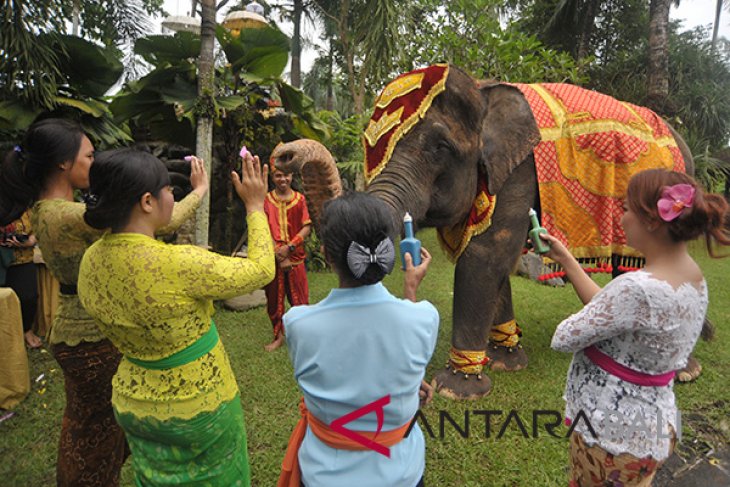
(508, 132)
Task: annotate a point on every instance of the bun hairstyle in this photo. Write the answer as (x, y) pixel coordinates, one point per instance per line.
(118, 179)
(27, 168)
(360, 218)
(706, 216)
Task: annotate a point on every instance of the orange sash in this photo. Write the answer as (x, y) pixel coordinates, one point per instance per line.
(290, 472)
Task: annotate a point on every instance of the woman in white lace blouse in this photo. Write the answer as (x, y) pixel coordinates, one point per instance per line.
(633, 334)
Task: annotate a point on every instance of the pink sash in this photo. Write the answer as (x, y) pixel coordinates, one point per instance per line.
(608, 364)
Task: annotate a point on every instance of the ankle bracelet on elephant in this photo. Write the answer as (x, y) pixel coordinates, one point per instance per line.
(468, 362)
(506, 335)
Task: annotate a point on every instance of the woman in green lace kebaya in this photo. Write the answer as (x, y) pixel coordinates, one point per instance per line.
(174, 394)
(44, 171)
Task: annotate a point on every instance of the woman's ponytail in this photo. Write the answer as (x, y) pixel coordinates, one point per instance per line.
(717, 230)
(27, 168)
(17, 192)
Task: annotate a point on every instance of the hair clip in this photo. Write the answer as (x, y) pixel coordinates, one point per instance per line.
(360, 257)
(675, 199)
(17, 148)
(91, 199)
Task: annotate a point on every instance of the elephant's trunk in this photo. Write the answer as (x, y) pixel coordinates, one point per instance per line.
(320, 177)
(403, 186)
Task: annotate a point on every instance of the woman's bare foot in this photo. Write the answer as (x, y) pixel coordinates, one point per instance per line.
(278, 341)
(32, 340)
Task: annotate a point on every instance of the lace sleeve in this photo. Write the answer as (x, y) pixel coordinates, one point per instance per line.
(619, 307)
(213, 276)
(181, 212)
(69, 220)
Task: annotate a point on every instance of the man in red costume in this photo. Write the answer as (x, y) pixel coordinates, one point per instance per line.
(290, 224)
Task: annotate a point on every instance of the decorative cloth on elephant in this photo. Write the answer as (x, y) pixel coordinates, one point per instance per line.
(591, 146)
(454, 239)
(401, 104)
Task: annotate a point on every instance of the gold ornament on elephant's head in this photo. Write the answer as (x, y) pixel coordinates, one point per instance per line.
(399, 87)
(400, 106)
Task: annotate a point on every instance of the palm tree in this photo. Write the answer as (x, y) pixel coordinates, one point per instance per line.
(658, 72)
(574, 18)
(28, 67)
(716, 25)
(369, 35)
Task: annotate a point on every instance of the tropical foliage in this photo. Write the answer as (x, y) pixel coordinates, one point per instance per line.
(82, 73)
(599, 44)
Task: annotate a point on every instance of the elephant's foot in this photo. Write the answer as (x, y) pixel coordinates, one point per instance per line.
(506, 358)
(691, 371)
(460, 386)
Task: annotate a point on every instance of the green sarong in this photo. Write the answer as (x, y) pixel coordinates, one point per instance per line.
(208, 450)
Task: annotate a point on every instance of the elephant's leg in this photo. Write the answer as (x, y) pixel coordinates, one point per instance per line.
(504, 350)
(481, 273)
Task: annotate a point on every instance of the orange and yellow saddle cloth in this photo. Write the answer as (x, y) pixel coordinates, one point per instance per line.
(591, 145)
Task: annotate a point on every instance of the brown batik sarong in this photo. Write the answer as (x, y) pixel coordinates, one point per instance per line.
(93, 447)
(592, 466)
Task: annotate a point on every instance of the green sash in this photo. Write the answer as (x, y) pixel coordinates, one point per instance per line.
(192, 352)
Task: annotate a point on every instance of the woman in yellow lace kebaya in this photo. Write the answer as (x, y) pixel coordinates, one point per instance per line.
(174, 394)
(53, 161)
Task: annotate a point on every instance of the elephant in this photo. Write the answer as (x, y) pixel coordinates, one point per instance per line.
(470, 128)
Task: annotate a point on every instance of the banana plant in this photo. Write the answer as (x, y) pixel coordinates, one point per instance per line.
(248, 75)
(85, 72)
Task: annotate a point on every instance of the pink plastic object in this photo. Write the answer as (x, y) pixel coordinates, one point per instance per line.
(243, 152)
(188, 158)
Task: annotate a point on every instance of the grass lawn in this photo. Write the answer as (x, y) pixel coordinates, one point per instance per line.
(269, 393)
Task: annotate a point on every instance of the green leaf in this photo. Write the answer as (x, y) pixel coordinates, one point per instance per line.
(231, 102)
(262, 52)
(90, 106)
(15, 115)
(161, 49)
(88, 68)
(131, 105)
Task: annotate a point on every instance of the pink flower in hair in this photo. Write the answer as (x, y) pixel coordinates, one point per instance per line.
(675, 199)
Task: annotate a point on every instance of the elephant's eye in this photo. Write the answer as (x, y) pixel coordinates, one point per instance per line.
(445, 145)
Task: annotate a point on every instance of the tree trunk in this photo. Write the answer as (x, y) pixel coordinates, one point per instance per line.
(716, 26)
(330, 100)
(206, 87)
(75, 20)
(658, 75)
(296, 46)
(588, 18)
(349, 54)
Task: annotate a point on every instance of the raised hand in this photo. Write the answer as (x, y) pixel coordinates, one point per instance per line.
(198, 176)
(252, 185)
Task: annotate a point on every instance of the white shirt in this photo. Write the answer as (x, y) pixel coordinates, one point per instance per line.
(648, 326)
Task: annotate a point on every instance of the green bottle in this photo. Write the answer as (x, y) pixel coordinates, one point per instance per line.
(539, 245)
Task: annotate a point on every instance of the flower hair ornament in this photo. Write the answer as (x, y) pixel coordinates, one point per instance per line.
(675, 199)
(360, 257)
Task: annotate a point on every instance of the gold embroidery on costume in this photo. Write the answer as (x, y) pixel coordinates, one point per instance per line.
(399, 87)
(376, 130)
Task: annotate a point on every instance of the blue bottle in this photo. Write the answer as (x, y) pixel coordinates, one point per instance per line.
(410, 243)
